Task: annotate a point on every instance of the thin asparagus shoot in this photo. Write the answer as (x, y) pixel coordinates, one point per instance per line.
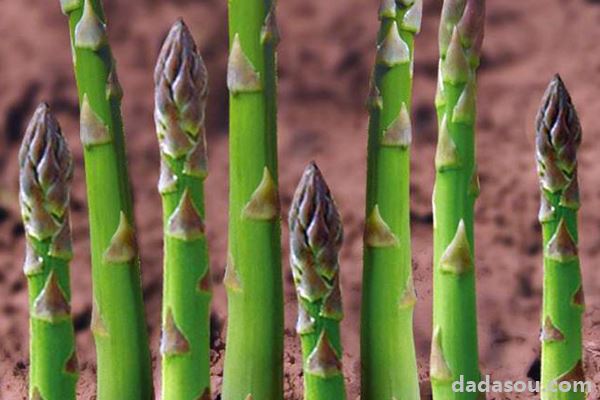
(454, 351)
(388, 359)
(181, 88)
(46, 171)
(254, 356)
(558, 136)
(316, 236)
(118, 323)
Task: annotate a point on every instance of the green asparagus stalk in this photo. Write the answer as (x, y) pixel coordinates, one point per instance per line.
(254, 357)
(454, 350)
(316, 236)
(180, 96)
(557, 139)
(46, 170)
(124, 370)
(389, 367)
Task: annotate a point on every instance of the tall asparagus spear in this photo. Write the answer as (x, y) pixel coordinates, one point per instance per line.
(46, 170)
(316, 236)
(389, 367)
(119, 326)
(557, 139)
(180, 97)
(454, 343)
(254, 356)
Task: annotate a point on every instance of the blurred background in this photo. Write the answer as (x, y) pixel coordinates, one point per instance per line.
(325, 57)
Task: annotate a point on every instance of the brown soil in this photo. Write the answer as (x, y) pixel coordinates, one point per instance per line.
(325, 58)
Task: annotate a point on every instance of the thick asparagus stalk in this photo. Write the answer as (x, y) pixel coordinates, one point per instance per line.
(389, 368)
(254, 356)
(316, 236)
(180, 96)
(454, 343)
(557, 139)
(119, 326)
(46, 170)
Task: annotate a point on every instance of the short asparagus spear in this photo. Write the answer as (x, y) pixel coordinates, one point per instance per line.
(454, 350)
(45, 180)
(315, 239)
(388, 360)
(557, 139)
(180, 96)
(118, 322)
(254, 356)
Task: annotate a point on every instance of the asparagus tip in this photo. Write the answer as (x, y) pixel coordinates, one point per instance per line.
(316, 236)
(46, 170)
(181, 88)
(314, 218)
(558, 136)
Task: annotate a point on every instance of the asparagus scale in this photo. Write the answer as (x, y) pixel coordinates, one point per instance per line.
(316, 235)
(389, 367)
(180, 97)
(558, 136)
(454, 348)
(118, 321)
(46, 171)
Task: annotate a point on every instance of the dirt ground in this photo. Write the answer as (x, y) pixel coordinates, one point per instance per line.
(325, 58)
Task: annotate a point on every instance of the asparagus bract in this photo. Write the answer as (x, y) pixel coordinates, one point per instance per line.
(118, 321)
(254, 356)
(46, 171)
(180, 96)
(389, 368)
(454, 350)
(558, 135)
(316, 236)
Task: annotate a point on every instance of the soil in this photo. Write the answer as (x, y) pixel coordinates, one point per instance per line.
(325, 58)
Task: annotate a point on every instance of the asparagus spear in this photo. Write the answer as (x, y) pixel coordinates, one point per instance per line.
(254, 356)
(46, 169)
(119, 327)
(180, 96)
(389, 367)
(557, 139)
(454, 343)
(316, 236)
